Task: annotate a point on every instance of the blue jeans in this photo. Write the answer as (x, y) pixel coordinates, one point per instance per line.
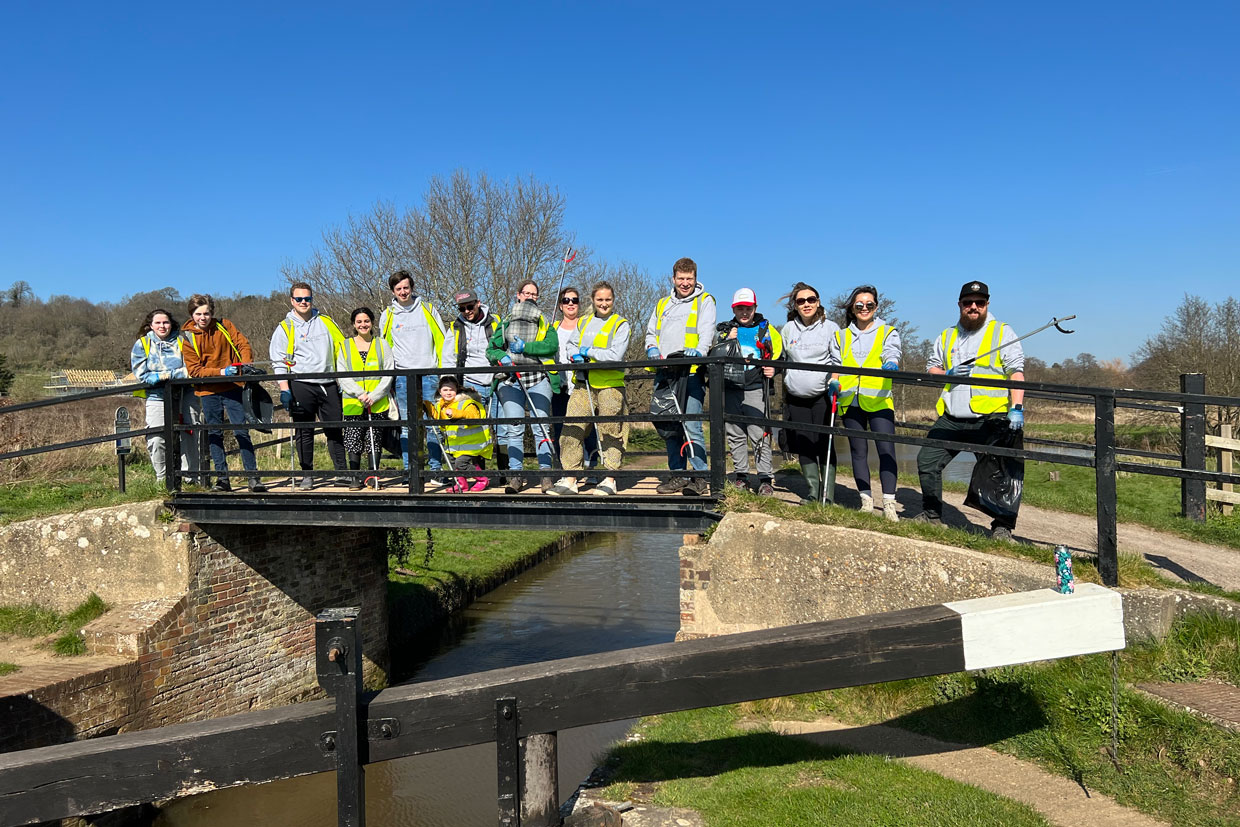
(677, 461)
(214, 408)
(434, 454)
(513, 404)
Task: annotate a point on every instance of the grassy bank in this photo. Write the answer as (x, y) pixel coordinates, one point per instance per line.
(740, 777)
(62, 630)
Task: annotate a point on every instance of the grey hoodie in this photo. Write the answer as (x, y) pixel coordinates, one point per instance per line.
(671, 337)
(412, 340)
(477, 338)
(314, 350)
(810, 344)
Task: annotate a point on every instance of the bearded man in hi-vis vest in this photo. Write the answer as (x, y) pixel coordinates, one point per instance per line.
(971, 413)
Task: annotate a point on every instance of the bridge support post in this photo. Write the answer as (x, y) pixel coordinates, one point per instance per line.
(338, 663)
(1193, 448)
(1104, 478)
(718, 433)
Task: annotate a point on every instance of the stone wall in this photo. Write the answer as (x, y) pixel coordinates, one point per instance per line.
(759, 572)
(238, 635)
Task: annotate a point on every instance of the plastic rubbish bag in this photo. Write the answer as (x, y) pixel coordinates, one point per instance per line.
(997, 482)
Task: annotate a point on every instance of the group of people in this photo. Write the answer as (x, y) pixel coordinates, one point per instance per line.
(411, 334)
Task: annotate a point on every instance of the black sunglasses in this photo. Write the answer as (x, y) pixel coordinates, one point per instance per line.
(567, 300)
(806, 300)
(864, 306)
(971, 302)
(302, 299)
(467, 308)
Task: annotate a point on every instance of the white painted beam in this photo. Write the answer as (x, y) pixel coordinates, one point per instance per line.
(1040, 625)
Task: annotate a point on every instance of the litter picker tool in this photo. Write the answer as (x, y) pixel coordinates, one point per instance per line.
(569, 255)
(827, 474)
(1056, 323)
(546, 435)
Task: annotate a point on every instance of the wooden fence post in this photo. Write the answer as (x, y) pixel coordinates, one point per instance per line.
(1193, 448)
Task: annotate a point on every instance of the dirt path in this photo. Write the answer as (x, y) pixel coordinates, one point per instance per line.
(1059, 800)
(1176, 557)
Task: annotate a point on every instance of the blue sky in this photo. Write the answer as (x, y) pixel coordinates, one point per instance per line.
(1080, 157)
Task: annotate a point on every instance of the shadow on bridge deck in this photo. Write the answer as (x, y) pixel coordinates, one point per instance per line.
(636, 507)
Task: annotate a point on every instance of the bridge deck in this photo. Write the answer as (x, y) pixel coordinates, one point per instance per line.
(636, 507)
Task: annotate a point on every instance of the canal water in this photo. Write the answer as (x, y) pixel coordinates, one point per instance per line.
(607, 592)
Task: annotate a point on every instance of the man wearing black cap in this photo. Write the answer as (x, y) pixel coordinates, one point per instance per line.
(983, 348)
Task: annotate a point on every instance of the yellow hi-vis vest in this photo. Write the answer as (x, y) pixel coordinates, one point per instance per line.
(691, 323)
(333, 330)
(352, 406)
(543, 327)
(981, 400)
(604, 378)
(465, 440)
(146, 348)
(436, 330)
(875, 391)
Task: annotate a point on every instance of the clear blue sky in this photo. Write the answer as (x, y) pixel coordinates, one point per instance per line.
(1080, 157)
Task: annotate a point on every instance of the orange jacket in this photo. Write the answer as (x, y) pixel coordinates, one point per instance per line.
(208, 353)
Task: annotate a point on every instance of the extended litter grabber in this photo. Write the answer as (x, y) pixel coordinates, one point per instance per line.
(1056, 323)
(827, 475)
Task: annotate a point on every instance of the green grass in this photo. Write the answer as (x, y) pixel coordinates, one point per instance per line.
(8, 668)
(1171, 764)
(37, 621)
(737, 778)
(76, 491)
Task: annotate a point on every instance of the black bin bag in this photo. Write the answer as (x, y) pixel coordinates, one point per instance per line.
(997, 482)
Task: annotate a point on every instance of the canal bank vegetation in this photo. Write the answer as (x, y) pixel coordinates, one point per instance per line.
(61, 632)
(717, 763)
(726, 763)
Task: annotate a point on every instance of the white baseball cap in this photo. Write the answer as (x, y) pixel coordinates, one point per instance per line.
(745, 296)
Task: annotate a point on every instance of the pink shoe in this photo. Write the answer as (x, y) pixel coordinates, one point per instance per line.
(462, 485)
(480, 484)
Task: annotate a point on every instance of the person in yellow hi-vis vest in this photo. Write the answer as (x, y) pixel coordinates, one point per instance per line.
(603, 336)
(306, 341)
(365, 400)
(682, 323)
(865, 402)
(467, 446)
(983, 348)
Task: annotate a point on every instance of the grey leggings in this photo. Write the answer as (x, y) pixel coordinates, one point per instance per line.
(880, 422)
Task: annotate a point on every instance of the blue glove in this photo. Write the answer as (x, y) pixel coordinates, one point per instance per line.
(653, 353)
(152, 379)
(231, 370)
(584, 352)
(505, 360)
(833, 387)
(891, 366)
(959, 370)
(286, 399)
(577, 357)
(1016, 419)
(692, 352)
(517, 346)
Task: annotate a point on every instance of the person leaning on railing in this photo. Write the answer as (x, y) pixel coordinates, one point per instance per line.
(969, 413)
(215, 347)
(155, 358)
(865, 402)
(603, 336)
(807, 340)
(364, 399)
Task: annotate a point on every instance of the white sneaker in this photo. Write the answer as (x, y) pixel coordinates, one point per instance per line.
(605, 488)
(889, 511)
(566, 486)
(867, 503)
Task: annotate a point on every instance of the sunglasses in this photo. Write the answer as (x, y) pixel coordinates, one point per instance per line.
(467, 308)
(567, 300)
(806, 300)
(302, 299)
(974, 302)
(864, 306)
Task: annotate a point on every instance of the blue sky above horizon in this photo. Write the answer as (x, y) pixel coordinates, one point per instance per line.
(1080, 158)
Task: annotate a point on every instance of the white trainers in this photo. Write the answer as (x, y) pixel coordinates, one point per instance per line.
(566, 486)
(889, 511)
(605, 488)
(867, 503)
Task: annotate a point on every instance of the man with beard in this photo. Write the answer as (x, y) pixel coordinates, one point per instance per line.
(970, 413)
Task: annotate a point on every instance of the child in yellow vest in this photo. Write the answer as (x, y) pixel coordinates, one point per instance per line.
(467, 446)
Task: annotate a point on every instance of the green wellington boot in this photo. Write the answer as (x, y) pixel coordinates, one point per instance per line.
(810, 472)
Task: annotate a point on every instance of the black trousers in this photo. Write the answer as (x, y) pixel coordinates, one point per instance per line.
(809, 447)
(322, 402)
(880, 422)
(931, 459)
